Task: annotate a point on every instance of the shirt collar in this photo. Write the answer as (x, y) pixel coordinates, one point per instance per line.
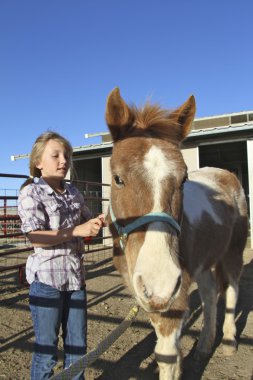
(48, 189)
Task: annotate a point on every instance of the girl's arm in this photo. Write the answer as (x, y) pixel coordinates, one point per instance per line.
(45, 238)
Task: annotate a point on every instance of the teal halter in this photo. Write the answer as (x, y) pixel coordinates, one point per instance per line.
(123, 231)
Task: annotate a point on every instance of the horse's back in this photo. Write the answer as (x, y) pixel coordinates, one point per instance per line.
(220, 185)
(215, 217)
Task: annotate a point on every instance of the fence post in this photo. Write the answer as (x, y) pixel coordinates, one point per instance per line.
(5, 215)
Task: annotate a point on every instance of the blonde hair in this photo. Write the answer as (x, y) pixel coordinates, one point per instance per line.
(38, 149)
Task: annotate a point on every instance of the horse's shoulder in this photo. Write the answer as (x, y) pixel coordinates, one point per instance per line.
(204, 195)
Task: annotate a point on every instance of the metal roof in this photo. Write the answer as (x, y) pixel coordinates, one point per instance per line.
(83, 148)
(194, 133)
(224, 129)
(248, 127)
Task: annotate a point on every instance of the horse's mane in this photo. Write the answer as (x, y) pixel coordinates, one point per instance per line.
(153, 121)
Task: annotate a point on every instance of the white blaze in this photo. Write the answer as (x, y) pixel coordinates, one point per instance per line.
(154, 265)
(157, 168)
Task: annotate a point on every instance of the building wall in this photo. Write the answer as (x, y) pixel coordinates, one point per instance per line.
(106, 171)
(250, 173)
(191, 157)
(106, 178)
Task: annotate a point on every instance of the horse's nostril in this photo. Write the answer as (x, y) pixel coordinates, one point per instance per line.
(145, 292)
(178, 284)
(142, 287)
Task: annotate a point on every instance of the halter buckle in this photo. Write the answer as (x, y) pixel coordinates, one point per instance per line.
(122, 240)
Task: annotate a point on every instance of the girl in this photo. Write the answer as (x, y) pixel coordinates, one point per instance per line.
(55, 219)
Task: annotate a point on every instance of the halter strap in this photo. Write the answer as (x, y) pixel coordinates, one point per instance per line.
(123, 231)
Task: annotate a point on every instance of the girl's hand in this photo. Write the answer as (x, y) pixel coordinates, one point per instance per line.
(90, 228)
(51, 238)
(102, 218)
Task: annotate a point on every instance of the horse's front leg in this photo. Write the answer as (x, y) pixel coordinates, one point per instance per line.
(167, 352)
(208, 293)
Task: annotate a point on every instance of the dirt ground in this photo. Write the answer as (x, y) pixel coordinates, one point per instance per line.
(131, 356)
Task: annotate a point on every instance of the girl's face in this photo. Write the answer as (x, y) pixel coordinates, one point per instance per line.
(55, 161)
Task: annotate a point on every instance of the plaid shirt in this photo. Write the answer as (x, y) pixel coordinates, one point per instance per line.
(41, 208)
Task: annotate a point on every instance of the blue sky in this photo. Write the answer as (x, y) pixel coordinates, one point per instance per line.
(59, 60)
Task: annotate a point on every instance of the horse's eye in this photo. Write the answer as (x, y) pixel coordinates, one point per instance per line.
(118, 180)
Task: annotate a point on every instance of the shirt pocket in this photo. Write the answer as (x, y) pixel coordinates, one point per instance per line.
(76, 206)
(76, 212)
(54, 211)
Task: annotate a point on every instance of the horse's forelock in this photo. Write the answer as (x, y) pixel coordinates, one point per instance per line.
(152, 121)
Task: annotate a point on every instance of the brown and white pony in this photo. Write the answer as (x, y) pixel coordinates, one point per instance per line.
(171, 227)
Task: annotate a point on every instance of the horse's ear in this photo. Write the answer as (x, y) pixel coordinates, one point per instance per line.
(118, 115)
(184, 116)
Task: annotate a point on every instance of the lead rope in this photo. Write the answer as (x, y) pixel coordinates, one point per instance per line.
(92, 356)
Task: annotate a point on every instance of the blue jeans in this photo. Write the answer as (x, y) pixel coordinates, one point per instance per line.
(50, 309)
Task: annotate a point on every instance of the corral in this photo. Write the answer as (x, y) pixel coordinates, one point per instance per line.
(131, 356)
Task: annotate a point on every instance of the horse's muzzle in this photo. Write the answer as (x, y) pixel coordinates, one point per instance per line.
(150, 300)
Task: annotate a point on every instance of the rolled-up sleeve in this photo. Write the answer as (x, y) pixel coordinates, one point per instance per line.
(31, 211)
